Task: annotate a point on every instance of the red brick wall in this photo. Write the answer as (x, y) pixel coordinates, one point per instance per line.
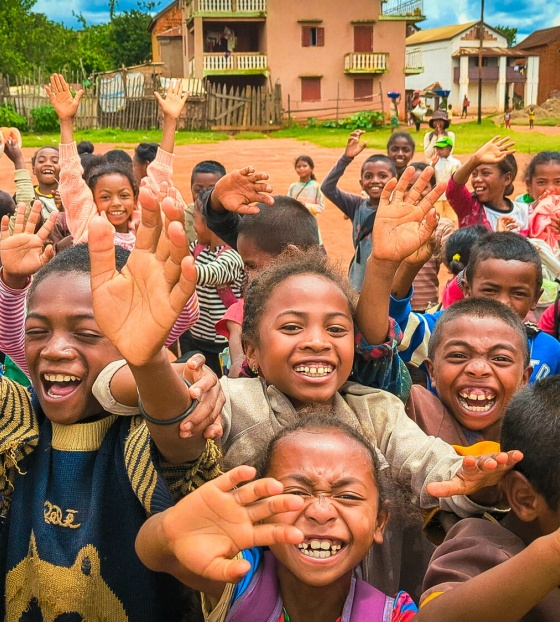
(169, 19)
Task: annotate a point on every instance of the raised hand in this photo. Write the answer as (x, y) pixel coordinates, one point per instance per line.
(404, 226)
(210, 526)
(507, 223)
(62, 100)
(137, 307)
(23, 251)
(174, 100)
(476, 473)
(494, 151)
(238, 190)
(14, 153)
(354, 147)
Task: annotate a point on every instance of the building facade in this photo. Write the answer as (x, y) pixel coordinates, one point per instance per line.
(546, 45)
(450, 56)
(322, 52)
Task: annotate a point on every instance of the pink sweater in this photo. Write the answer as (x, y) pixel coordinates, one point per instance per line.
(12, 322)
(77, 197)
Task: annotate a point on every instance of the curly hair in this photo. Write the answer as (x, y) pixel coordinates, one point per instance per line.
(292, 262)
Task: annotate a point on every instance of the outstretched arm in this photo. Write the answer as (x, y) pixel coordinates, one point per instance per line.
(171, 108)
(400, 229)
(492, 152)
(197, 540)
(506, 592)
(65, 104)
(148, 295)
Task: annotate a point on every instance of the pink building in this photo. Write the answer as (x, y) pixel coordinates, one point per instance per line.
(323, 53)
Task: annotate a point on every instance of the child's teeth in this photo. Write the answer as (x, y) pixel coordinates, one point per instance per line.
(315, 544)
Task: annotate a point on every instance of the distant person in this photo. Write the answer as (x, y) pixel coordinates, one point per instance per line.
(465, 109)
(507, 119)
(439, 124)
(531, 113)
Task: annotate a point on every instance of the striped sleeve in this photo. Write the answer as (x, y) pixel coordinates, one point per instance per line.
(188, 317)
(12, 323)
(225, 268)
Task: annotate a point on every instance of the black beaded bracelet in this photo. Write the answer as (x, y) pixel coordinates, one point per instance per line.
(173, 421)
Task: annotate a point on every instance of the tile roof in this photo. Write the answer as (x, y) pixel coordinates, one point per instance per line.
(438, 34)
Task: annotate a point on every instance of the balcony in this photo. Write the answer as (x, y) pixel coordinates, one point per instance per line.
(491, 74)
(365, 62)
(409, 10)
(414, 63)
(225, 8)
(236, 64)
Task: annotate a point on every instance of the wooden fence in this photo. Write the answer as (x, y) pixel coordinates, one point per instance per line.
(125, 99)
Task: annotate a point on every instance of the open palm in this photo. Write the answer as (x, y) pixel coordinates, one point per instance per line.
(403, 226)
(24, 251)
(174, 100)
(214, 523)
(137, 307)
(62, 100)
(238, 190)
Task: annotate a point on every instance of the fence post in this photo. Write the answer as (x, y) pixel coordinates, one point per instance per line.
(289, 113)
(382, 102)
(337, 98)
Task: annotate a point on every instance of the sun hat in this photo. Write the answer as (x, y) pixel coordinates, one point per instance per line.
(444, 141)
(440, 115)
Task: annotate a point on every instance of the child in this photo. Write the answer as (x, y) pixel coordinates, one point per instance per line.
(111, 188)
(307, 190)
(542, 174)
(376, 171)
(203, 177)
(456, 257)
(400, 148)
(465, 107)
(477, 358)
(143, 156)
(318, 532)
(219, 276)
(439, 124)
(76, 482)
(525, 540)
(493, 170)
(507, 119)
(531, 113)
(504, 266)
(426, 283)
(444, 166)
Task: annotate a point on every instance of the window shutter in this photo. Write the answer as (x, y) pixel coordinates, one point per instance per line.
(320, 37)
(305, 36)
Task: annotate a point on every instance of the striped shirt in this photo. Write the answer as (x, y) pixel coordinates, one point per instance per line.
(12, 322)
(214, 268)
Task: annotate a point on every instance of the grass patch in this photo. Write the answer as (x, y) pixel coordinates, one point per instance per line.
(249, 136)
(470, 136)
(125, 138)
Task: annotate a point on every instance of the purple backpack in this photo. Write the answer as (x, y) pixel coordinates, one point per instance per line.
(262, 602)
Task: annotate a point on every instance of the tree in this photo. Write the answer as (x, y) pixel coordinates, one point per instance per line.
(131, 43)
(509, 33)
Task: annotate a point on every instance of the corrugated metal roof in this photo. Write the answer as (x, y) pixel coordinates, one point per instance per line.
(489, 52)
(171, 32)
(540, 37)
(438, 34)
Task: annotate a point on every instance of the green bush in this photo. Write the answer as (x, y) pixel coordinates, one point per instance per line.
(365, 120)
(44, 119)
(10, 118)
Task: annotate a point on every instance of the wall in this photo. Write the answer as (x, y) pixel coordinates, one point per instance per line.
(172, 17)
(288, 60)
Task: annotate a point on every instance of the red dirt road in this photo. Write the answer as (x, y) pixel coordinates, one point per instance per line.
(276, 157)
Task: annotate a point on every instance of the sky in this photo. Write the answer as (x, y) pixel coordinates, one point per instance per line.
(525, 15)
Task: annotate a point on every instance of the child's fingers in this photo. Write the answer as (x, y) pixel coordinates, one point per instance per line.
(48, 225)
(276, 504)
(424, 180)
(47, 254)
(277, 533)
(196, 361)
(172, 209)
(101, 243)
(186, 286)
(427, 203)
(149, 230)
(227, 570)
(388, 190)
(203, 416)
(5, 227)
(238, 475)
(403, 183)
(258, 489)
(33, 218)
(215, 430)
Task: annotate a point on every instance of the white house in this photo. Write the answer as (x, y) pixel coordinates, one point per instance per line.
(450, 56)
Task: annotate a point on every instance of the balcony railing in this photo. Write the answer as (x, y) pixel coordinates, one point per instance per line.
(365, 62)
(227, 7)
(402, 9)
(216, 64)
(414, 62)
(490, 74)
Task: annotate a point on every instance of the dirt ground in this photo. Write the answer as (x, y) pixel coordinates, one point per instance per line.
(276, 157)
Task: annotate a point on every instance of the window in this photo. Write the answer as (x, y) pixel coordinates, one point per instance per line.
(363, 38)
(312, 36)
(363, 88)
(310, 89)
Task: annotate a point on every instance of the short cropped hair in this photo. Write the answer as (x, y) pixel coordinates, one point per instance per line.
(482, 308)
(287, 222)
(208, 166)
(504, 245)
(74, 259)
(531, 424)
(146, 152)
(380, 158)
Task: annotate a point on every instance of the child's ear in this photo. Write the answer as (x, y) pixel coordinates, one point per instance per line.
(523, 499)
(430, 368)
(381, 522)
(466, 288)
(526, 375)
(250, 354)
(536, 299)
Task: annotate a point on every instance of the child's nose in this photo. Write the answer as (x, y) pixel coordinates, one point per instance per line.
(478, 367)
(58, 347)
(321, 510)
